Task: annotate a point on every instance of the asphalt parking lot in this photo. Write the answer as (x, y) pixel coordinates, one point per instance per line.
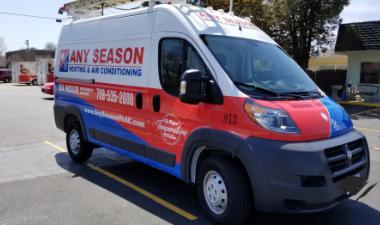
(39, 184)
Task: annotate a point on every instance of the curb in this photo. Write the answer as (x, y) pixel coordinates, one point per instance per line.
(359, 103)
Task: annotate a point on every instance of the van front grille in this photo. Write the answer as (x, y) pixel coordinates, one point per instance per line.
(345, 159)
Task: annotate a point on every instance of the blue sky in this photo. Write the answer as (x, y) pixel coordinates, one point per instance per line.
(16, 30)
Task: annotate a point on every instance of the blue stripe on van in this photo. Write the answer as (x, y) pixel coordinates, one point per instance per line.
(340, 122)
(91, 121)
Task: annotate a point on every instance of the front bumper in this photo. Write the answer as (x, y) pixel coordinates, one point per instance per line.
(47, 91)
(308, 176)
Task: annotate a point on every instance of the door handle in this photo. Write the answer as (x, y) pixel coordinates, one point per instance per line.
(139, 100)
(156, 103)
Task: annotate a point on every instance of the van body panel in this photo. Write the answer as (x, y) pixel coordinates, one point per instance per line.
(208, 21)
(109, 77)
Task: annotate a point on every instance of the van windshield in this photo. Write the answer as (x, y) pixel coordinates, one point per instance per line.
(259, 68)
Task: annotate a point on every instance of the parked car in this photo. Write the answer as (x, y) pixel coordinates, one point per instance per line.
(5, 75)
(211, 99)
(48, 88)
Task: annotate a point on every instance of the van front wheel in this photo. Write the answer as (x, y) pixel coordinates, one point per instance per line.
(223, 191)
(79, 149)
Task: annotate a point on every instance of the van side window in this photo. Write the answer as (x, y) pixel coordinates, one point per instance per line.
(176, 56)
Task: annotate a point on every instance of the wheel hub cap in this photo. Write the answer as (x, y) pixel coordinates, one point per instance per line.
(74, 141)
(215, 192)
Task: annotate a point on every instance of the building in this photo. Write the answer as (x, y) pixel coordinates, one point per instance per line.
(361, 43)
(2, 61)
(328, 62)
(31, 66)
(31, 55)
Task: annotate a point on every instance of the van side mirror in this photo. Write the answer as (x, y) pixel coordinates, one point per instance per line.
(193, 87)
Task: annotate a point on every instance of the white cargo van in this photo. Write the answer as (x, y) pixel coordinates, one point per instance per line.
(207, 97)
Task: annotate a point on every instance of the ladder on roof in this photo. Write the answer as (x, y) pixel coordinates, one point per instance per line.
(82, 9)
(93, 4)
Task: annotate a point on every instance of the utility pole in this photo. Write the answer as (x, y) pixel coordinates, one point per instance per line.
(231, 5)
(27, 44)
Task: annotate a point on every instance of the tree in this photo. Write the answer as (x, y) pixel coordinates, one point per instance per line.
(301, 27)
(50, 46)
(256, 10)
(3, 46)
(305, 27)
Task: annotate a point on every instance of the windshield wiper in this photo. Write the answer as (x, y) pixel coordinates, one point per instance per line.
(294, 95)
(276, 95)
(302, 94)
(256, 87)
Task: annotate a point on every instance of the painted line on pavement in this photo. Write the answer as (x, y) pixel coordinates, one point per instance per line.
(55, 146)
(132, 186)
(367, 129)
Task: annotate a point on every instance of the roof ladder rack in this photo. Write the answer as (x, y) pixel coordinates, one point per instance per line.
(81, 9)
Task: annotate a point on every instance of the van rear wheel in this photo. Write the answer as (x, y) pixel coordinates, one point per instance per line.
(223, 191)
(34, 82)
(79, 149)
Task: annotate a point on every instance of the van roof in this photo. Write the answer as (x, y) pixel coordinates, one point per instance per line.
(198, 20)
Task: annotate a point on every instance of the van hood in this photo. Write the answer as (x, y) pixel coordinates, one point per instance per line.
(318, 118)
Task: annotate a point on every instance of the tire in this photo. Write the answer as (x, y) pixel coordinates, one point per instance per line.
(233, 203)
(79, 149)
(34, 82)
(6, 80)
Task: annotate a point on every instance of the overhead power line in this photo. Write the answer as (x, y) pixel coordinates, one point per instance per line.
(27, 15)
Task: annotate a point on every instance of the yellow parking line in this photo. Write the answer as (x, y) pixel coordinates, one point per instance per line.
(134, 187)
(55, 146)
(147, 194)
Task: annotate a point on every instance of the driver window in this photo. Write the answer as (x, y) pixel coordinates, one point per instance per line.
(176, 56)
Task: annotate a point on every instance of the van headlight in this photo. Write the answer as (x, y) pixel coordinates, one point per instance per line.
(272, 119)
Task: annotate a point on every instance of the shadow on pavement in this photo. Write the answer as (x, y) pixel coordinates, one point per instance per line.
(184, 196)
(349, 212)
(158, 183)
(374, 114)
(48, 98)
(362, 112)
